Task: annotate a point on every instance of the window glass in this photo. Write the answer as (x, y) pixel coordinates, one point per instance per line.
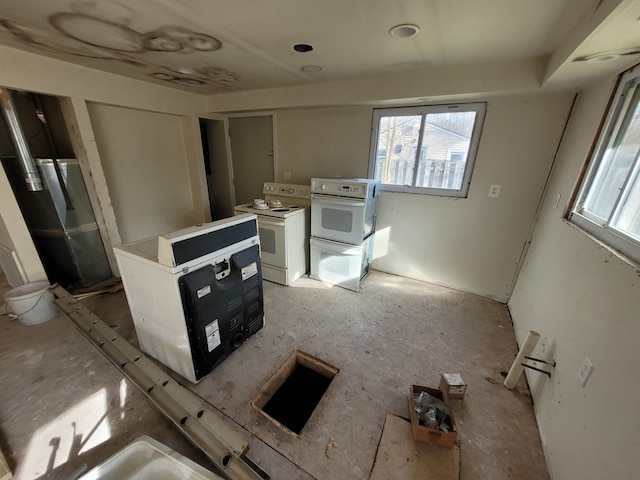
(608, 205)
(397, 140)
(447, 136)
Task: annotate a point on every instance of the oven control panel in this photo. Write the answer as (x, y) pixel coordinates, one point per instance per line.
(337, 189)
(285, 190)
(354, 188)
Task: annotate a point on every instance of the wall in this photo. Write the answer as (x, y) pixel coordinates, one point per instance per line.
(394, 88)
(475, 243)
(322, 142)
(584, 301)
(14, 234)
(472, 244)
(146, 169)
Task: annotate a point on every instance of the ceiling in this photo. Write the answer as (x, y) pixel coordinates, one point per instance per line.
(222, 46)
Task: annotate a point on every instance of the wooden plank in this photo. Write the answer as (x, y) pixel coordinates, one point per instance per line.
(398, 456)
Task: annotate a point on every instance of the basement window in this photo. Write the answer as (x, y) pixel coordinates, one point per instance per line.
(429, 149)
(608, 202)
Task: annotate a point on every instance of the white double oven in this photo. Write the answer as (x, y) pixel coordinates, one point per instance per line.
(343, 221)
(283, 226)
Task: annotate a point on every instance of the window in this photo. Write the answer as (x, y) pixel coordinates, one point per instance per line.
(426, 149)
(608, 203)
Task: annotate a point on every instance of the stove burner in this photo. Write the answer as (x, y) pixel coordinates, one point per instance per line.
(260, 206)
(280, 209)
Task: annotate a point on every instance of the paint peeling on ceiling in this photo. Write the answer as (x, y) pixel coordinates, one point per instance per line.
(103, 31)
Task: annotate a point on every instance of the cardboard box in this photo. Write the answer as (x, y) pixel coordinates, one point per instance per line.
(423, 433)
(452, 386)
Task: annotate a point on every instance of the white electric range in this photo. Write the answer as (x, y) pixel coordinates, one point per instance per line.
(284, 228)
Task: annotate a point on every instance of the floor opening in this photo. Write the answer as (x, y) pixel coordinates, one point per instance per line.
(292, 394)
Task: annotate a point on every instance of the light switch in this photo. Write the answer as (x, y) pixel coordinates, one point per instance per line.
(287, 175)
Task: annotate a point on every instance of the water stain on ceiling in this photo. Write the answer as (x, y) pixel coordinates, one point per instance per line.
(103, 31)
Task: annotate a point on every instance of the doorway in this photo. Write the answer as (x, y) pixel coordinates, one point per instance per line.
(217, 167)
(252, 156)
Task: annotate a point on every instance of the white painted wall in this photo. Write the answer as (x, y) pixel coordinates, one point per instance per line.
(472, 244)
(146, 169)
(408, 87)
(584, 301)
(322, 142)
(475, 243)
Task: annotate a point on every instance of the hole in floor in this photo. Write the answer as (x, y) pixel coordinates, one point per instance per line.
(292, 394)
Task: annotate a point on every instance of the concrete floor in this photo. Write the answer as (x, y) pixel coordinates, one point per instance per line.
(64, 408)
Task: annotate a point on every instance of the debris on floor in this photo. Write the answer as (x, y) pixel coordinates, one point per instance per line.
(452, 385)
(441, 428)
(116, 287)
(330, 446)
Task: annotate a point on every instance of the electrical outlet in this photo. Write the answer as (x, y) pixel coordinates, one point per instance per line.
(494, 191)
(584, 372)
(287, 175)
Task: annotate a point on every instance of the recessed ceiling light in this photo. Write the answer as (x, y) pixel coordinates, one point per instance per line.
(404, 30)
(302, 47)
(607, 56)
(311, 68)
(602, 57)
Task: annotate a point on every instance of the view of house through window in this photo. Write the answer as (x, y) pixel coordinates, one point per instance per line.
(426, 149)
(608, 205)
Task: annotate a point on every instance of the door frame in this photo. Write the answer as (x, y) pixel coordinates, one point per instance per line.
(268, 113)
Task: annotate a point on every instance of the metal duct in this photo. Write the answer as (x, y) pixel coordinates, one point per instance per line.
(28, 164)
(37, 100)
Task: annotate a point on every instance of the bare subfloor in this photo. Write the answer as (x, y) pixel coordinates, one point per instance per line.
(64, 408)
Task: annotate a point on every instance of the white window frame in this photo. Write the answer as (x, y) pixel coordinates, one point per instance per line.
(602, 230)
(480, 108)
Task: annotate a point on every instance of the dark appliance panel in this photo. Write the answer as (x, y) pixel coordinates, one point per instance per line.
(223, 306)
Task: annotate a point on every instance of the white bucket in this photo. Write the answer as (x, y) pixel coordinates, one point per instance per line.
(32, 303)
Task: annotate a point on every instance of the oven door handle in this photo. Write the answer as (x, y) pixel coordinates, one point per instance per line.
(337, 200)
(270, 222)
(335, 247)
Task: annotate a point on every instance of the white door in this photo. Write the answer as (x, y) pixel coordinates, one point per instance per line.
(252, 158)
